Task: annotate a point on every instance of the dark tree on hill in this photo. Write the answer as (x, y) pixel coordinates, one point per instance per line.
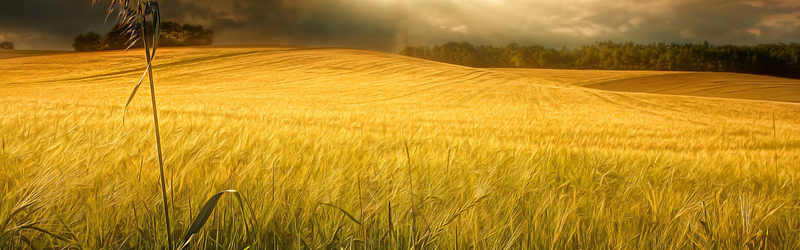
(175, 34)
(172, 35)
(88, 42)
(6, 45)
(197, 35)
(118, 39)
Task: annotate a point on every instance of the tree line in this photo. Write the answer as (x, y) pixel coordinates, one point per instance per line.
(768, 59)
(172, 34)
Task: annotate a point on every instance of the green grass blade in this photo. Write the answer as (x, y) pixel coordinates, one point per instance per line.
(135, 89)
(205, 213)
(353, 218)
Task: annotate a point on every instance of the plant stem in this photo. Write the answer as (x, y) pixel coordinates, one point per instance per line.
(775, 147)
(158, 133)
(274, 242)
(411, 193)
(361, 204)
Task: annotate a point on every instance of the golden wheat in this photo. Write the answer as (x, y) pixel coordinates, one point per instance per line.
(499, 160)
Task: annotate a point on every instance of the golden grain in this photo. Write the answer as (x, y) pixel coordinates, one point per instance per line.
(500, 160)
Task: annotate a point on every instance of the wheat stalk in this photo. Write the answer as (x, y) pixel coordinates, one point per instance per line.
(133, 16)
(411, 193)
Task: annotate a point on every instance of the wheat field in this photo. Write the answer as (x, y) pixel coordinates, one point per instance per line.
(704, 84)
(351, 149)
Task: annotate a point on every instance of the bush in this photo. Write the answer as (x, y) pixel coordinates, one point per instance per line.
(6, 45)
(88, 42)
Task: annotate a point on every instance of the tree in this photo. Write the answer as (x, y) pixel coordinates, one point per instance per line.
(172, 34)
(194, 35)
(118, 39)
(6, 45)
(410, 51)
(88, 42)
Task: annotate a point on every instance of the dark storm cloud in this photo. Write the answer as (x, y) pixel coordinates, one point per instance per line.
(330, 23)
(390, 24)
(35, 24)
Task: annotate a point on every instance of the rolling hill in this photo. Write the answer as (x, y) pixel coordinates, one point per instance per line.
(704, 84)
(7, 54)
(480, 157)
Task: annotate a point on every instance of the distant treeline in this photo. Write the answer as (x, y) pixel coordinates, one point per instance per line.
(172, 34)
(772, 59)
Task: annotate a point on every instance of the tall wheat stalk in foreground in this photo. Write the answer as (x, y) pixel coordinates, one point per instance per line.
(132, 17)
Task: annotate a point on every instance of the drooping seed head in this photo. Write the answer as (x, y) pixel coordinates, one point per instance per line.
(130, 14)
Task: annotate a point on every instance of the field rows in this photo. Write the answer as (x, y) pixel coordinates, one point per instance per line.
(496, 158)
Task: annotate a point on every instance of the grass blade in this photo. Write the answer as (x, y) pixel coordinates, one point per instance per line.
(204, 214)
(353, 218)
(135, 89)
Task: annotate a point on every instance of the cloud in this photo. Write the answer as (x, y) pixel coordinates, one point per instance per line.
(389, 25)
(459, 29)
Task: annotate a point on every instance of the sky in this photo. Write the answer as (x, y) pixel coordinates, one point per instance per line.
(390, 25)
